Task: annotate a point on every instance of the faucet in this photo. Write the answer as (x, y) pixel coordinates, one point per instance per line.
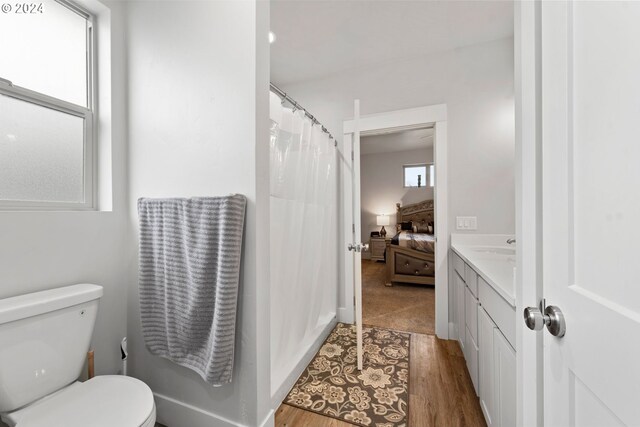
(511, 241)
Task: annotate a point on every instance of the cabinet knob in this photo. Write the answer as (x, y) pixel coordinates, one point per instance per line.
(426, 266)
(406, 264)
(417, 272)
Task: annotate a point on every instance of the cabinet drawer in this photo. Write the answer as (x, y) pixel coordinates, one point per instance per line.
(471, 357)
(471, 279)
(500, 311)
(458, 264)
(412, 266)
(471, 313)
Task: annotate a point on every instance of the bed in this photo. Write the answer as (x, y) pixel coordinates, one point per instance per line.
(411, 254)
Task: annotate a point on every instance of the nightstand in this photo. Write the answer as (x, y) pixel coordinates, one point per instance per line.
(378, 246)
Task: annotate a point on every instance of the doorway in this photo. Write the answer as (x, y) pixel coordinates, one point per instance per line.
(432, 117)
(397, 175)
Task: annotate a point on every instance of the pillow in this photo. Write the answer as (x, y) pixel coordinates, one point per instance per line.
(423, 228)
(406, 226)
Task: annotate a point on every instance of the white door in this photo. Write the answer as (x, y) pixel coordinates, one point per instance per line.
(590, 176)
(357, 247)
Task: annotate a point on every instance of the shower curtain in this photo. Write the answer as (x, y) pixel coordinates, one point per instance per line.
(303, 237)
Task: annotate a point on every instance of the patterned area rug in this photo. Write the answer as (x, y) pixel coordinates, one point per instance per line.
(378, 396)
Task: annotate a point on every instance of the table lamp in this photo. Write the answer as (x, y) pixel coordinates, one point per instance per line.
(382, 220)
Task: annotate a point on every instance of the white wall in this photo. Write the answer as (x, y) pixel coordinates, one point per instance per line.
(476, 84)
(382, 186)
(43, 250)
(197, 129)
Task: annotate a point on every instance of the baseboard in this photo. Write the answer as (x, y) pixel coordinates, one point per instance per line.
(270, 420)
(452, 331)
(172, 412)
(344, 316)
(278, 396)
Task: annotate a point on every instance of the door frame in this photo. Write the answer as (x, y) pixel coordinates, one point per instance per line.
(528, 172)
(435, 115)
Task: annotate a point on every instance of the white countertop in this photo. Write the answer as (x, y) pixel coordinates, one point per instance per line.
(488, 255)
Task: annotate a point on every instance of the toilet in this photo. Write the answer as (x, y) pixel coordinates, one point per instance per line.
(44, 339)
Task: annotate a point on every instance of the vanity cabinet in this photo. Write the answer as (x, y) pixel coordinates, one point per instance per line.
(485, 324)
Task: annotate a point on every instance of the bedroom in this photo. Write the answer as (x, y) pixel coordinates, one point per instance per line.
(398, 284)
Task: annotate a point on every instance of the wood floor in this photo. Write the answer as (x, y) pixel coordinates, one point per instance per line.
(403, 307)
(440, 390)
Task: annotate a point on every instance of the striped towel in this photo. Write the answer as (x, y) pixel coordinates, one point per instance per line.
(189, 268)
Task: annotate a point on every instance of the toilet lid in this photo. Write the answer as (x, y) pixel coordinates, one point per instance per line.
(103, 401)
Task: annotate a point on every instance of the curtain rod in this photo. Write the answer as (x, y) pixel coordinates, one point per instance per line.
(297, 106)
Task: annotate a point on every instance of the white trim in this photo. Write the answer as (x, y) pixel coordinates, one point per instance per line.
(347, 313)
(403, 119)
(173, 412)
(529, 357)
(399, 119)
(441, 204)
(270, 419)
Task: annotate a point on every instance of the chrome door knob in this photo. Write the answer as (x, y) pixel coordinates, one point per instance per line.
(533, 318)
(552, 318)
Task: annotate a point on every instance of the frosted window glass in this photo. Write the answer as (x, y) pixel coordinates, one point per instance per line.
(41, 153)
(46, 52)
(411, 174)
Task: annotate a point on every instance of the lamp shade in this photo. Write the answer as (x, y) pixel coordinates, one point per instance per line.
(382, 220)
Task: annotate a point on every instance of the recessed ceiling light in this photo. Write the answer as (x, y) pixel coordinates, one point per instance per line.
(272, 37)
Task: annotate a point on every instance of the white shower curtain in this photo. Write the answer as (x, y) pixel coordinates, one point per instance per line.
(303, 237)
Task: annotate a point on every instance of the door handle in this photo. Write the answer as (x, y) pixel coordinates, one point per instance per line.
(358, 247)
(552, 318)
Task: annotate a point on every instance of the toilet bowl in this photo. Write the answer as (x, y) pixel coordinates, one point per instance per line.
(45, 337)
(109, 400)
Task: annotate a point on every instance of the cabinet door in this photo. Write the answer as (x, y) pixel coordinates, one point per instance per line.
(471, 357)
(460, 291)
(504, 380)
(485, 366)
(471, 313)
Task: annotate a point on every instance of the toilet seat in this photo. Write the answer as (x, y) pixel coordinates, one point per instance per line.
(103, 401)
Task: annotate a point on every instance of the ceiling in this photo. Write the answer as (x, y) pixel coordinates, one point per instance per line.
(401, 141)
(319, 38)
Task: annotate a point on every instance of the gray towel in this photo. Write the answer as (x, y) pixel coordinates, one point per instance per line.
(189, 272)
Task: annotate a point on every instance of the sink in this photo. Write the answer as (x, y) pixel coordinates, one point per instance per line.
(495, 250)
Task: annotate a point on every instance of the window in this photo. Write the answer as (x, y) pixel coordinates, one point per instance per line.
(46, 108)
(418, 175)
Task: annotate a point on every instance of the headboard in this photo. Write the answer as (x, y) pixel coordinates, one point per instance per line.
(418, 213)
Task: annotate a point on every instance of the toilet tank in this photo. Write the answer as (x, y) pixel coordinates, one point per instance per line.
(44, 339)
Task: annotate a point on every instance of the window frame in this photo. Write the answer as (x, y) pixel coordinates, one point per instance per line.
(413, 165)
(7, 88)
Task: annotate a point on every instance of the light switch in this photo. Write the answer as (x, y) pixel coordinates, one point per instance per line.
(466, 223)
